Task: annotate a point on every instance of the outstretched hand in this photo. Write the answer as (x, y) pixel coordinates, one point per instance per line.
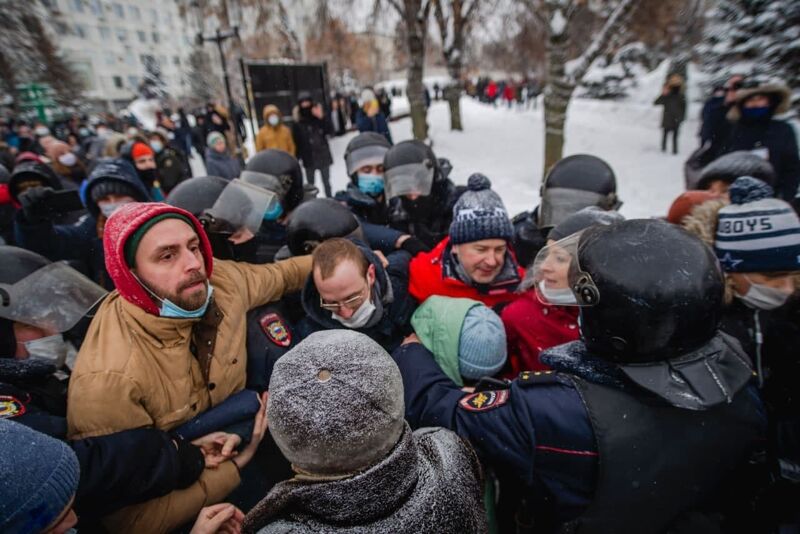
(222, 518)
(259, 431)
(218, 447)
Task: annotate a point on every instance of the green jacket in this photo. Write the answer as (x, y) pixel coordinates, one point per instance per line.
(437, 323)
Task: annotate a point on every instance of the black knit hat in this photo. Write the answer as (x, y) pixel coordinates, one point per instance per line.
(479, 214)
(113, 187)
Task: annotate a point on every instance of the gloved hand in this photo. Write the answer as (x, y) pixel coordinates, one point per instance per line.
(35, 204)
(414, 246)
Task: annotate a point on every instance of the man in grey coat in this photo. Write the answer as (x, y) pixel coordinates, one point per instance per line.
(336, 412)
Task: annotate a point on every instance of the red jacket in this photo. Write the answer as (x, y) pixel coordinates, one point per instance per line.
(426, 278)
(532, 327)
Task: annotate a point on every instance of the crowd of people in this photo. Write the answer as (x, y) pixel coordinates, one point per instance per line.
(229, 353)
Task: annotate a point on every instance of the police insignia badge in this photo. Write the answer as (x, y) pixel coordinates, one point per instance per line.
(484, 400)
(10, 407)
(275, 330)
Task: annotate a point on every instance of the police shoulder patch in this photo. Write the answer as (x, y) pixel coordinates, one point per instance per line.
(11, 407)
(484, 400)
(274, 328)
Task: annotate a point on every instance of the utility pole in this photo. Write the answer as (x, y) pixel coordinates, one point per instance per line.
(220, 37)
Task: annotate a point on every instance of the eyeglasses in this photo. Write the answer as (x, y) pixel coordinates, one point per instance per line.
(351, 304)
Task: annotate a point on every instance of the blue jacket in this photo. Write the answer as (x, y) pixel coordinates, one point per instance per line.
(74, 242)
(542, 434)
(376, 124)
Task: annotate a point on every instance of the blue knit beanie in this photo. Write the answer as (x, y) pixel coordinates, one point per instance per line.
(757, 233)
(479, 214)
(38, 478)
(482, 346)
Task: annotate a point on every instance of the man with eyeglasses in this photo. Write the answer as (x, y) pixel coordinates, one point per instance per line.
(351, 287)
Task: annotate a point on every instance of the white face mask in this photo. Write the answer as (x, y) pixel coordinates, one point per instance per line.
(361, 316)
(274, 120)
(69, 159)
(50, 349)
(109, 208)
(764, 297)
(41, 131)
(559, 297)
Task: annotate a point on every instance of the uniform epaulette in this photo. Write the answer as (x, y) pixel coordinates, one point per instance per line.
(529, 378)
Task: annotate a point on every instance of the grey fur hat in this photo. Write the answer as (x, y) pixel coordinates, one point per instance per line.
(335, 404)
(779, 91)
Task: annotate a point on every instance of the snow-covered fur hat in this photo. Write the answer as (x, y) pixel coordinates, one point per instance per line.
(731, 166)
(336, 404)
(479, 214)
(776, 91)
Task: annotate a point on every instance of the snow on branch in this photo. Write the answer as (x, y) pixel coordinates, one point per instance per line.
(613, 25)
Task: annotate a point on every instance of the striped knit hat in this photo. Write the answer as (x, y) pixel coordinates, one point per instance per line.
(757, 233)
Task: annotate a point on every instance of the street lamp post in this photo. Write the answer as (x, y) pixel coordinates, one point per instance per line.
(220, 37)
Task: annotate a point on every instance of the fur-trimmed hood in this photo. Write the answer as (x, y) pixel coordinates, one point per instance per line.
(780, 90)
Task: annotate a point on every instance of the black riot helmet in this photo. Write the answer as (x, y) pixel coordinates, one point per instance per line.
(197, 194)
(319, 219)
(5, 176)
(658, 291)
(410, 167)
(367, 148)
(574, 183)
(279, 172)
(28, 174)
(50, 295)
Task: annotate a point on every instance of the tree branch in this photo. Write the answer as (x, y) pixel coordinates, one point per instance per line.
(612, 26)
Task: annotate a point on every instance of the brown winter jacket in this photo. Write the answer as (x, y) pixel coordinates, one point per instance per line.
(278, 137)
(137, 370)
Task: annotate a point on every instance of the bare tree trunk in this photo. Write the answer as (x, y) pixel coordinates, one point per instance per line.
(561, 84)
(415, 35)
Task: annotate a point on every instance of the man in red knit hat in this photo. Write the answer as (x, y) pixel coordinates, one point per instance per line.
(168, 344)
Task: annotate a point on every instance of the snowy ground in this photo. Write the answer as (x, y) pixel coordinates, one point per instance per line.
(508, 146)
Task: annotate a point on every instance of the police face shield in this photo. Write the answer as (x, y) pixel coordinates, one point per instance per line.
(558, 203)
(557, 276)
(409, 179)
(53, 298)
(368, 155)
(244, 206)
(267, 181)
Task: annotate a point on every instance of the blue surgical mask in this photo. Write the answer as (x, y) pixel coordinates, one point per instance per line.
(370, 184)
(173, 311)
(756, 113)
(274, 212)
(157, 146)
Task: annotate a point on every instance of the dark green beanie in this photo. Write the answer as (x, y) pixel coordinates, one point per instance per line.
(132, 244)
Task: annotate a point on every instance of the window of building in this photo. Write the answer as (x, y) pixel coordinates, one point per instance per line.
(133, 82)
(154, 15)
(118, 10)
(142, 36)
(176, 61)
(96, 7)
(156, 38)
(117, 82)
(122, 34)
(110, 57)
(76, 5)
(81, 31)
(105, 32)
(134, 12)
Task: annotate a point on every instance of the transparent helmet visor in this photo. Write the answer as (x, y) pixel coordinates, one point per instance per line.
(409, 179)
(558, 278)
(244, 205)
(558, 203)
(53, 298)
(269, 182)
(368, 155)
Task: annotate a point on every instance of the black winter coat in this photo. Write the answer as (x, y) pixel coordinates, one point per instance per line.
(310, 137)
(779, 139)
(674, 110)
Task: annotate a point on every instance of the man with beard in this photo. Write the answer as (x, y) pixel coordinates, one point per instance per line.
(168, 344)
